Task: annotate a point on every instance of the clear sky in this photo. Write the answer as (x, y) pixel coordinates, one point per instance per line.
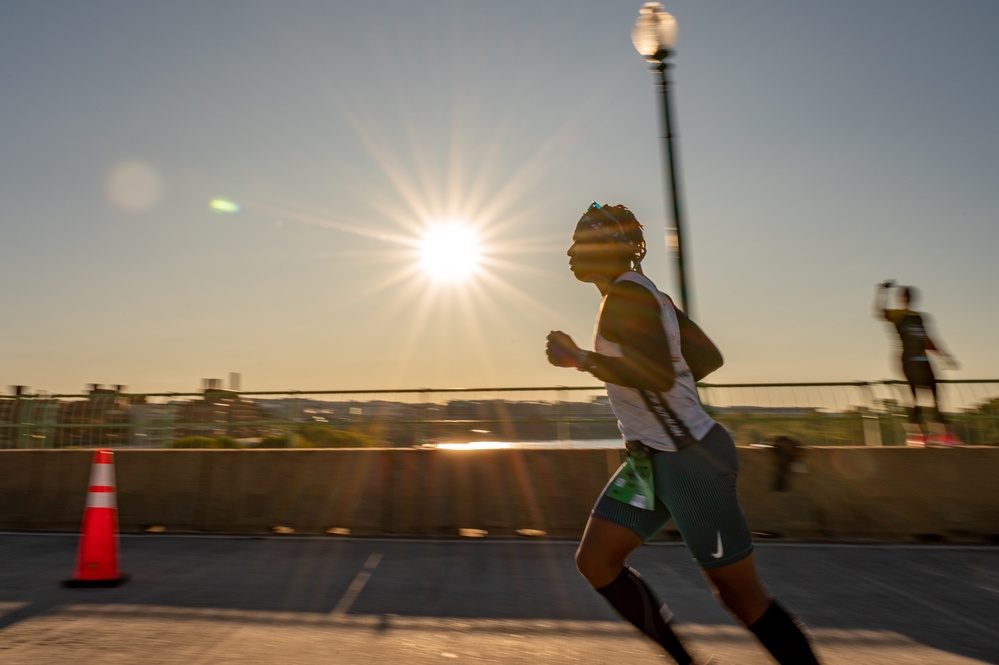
(823, 147)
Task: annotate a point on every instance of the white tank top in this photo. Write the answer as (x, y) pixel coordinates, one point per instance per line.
(662, 420)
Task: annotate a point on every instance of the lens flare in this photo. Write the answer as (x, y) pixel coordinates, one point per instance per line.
(223, 205)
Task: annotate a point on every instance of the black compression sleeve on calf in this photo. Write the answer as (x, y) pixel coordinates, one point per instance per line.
(783, 636)
(636, 602)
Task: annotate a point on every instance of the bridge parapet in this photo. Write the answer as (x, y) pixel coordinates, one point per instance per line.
(893, 494)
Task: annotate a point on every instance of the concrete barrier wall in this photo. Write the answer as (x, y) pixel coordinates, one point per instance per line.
(891, 493)
(855, 493)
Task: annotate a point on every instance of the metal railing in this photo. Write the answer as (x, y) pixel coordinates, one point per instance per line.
(845, 413)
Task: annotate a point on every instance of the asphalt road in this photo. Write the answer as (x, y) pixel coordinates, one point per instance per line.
(287, 600)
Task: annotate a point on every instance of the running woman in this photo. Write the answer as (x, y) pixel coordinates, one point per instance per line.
(650, 356)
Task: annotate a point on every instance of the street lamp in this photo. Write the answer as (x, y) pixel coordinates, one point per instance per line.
(654, 36)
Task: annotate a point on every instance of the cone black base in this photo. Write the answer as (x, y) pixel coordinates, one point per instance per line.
(80, 584)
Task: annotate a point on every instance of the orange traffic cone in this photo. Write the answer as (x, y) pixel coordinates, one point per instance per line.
(97, 558)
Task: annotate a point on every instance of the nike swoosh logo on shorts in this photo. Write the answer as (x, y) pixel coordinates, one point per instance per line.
(721, 550)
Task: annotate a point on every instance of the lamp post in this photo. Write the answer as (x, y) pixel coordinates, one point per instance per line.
(654, 36)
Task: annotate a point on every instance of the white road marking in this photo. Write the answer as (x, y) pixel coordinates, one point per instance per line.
(355, 588)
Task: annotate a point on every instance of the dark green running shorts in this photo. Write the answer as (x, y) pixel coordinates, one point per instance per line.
(695, 487)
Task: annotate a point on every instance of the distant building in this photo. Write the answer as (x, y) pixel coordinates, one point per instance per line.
(102, 419)
(220, 413)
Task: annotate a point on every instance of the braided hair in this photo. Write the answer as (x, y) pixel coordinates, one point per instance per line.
(618, 226)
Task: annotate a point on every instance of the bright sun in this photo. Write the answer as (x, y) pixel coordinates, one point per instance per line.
(450, 252)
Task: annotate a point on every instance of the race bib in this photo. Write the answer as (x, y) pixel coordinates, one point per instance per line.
(633, 482)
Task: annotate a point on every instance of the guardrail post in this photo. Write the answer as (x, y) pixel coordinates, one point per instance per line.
(871, 421)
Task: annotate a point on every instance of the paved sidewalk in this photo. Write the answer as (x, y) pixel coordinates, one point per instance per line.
(288, 600)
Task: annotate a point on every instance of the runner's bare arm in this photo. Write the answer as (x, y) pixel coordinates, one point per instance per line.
(880, 304)
(701, 354)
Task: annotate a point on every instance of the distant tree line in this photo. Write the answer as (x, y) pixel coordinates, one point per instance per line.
(302, 436)
(977, 427)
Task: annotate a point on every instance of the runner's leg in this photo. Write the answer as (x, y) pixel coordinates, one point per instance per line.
(936, 398)
(915, 376)
(698, 485)
(601, 560)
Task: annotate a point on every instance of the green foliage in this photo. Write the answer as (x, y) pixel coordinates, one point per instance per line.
(196, 442)
(324, 436)
(282, 441)
(989, 408)
(977, 427)
(277, 441)
(813, 429)
(305, 436)
(205, 442)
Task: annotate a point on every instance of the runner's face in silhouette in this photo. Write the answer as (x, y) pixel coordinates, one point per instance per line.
(592, 257)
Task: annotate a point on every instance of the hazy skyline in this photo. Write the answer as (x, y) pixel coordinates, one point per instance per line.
(823, 148)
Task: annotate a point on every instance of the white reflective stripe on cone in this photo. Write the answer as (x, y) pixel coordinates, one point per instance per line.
(101, 500)
(102, 475)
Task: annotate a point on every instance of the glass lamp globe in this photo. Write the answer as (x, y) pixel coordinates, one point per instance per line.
(654, 34)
